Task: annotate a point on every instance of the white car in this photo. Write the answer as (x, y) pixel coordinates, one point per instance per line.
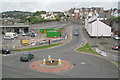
(15, 35)
(116, 37)
(23, 34)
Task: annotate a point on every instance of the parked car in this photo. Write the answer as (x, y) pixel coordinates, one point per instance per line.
(28, 34)
(8, 37)
(116, 37)
(23, 34)
(15, 35)
(26, 57)
(76, 34)
(5, 51)
(116, 46)
(32, 34)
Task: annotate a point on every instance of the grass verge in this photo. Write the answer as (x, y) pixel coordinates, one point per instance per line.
(86, 48)
(35, 48)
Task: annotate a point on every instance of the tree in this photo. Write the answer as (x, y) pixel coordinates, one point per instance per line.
(38, 13)
(112, 20)
(57, 18)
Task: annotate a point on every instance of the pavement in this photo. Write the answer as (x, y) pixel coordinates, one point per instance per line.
(86, 66)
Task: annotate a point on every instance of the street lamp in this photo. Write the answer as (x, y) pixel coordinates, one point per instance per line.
(97, 30)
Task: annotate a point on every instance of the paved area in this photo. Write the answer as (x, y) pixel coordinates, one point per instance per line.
(16, 44)
(86, 66)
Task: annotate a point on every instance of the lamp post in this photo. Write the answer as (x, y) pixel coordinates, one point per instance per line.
(97, 30)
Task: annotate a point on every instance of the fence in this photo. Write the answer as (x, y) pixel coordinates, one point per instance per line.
(108, 55)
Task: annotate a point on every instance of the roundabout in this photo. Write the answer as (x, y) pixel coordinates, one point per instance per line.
(51, 66)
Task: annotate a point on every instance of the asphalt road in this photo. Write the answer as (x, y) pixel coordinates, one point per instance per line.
(93, 67)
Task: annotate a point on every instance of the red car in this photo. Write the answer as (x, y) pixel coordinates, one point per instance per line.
(116, 46)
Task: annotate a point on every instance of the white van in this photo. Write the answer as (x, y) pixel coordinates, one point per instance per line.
(11, 34)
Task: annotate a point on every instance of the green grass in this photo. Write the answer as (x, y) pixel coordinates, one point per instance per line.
(35, 48)
(86, 48)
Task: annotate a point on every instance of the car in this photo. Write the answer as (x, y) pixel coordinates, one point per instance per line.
(116, 37)
(32, 34)
(15, 35)
(5, 51)
(26, 57)
(28, 34)
(116, 46)
(23, 34)
(76, 34)
(8, 37)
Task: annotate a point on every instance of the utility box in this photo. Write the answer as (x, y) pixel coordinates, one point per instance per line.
(24, 42)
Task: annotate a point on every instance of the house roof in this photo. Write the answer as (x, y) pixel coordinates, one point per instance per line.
(104, 15)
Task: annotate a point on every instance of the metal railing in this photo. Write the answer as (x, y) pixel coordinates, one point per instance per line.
(108, 55)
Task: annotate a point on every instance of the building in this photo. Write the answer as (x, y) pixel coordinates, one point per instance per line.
(95, 27)
(16, 27)
(80, 13)
(49, 16)
(104, 15)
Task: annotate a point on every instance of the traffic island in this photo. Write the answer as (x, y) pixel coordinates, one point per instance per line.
(51, 65)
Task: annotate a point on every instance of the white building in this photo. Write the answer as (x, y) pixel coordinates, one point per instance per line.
(43, 15)
(94, 27)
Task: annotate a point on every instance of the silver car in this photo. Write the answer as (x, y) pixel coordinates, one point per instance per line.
(116, 37)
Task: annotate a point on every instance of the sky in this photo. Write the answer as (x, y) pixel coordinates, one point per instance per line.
(54, 5)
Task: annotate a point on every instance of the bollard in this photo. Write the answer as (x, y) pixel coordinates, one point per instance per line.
(59, 61)
(44, 61)
(49, 57)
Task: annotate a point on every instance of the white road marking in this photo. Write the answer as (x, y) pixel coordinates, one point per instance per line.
(4, 55)
(83, 63)
(106, 38)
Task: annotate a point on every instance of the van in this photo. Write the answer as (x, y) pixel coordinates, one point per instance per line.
(11, 34)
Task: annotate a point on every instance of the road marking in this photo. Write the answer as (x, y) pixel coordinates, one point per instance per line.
(106, 38)
(83, 63)
(4, 55)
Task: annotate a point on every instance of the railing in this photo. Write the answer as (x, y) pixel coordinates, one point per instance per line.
(108, 55)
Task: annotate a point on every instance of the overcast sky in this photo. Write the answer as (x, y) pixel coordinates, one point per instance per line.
(54, 5)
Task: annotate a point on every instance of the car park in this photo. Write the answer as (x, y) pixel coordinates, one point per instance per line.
(5, 51)
(76, 34)
(26, 57)
(116, 46)
(8, 37)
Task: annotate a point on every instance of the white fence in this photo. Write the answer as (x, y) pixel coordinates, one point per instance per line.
(108, 55)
